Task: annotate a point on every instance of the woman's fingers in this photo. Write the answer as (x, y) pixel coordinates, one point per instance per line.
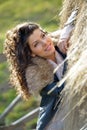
(63, 45)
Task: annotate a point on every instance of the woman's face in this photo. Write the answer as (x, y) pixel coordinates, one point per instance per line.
(41, 44)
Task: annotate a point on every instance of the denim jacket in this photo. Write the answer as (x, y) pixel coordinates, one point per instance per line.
(49, 103)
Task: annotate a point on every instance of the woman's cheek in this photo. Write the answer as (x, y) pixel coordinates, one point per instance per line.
(39, 49)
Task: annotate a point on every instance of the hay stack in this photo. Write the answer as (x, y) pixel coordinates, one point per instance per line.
(72, 112)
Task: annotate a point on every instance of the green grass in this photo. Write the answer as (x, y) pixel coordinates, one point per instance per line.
(12, 12)
(3, 73)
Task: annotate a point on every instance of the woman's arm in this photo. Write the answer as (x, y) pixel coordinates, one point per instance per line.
(63, 42)
(55, 34)
(65, 34)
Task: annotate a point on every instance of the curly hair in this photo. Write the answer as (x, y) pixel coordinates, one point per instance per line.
(18, 55)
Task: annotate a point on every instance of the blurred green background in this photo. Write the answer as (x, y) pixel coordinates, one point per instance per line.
(12, 12)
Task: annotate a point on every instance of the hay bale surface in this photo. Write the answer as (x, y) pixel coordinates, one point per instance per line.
(72, 112)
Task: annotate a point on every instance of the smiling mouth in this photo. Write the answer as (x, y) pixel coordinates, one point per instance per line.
(48, 48)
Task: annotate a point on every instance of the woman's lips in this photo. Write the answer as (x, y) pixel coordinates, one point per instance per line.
(48, 48)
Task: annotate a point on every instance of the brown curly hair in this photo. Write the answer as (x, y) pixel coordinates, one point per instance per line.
(18, 53)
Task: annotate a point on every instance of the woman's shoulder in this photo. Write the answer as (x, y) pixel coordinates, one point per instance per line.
(38, 75)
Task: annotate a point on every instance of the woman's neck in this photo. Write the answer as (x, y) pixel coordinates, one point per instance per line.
(53, 57)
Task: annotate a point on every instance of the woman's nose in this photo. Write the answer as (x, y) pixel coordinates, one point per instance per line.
(44, 42)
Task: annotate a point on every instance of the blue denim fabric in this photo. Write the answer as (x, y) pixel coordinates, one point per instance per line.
(48, 105)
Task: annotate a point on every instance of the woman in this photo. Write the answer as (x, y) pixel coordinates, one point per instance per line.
(32, 58)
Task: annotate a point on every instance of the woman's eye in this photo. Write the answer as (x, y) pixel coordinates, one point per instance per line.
(43, 35)
(35, 45)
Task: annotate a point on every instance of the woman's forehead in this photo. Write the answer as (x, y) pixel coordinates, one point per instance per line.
(35, 35)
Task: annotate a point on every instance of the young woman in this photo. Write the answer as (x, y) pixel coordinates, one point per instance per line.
(32, 58)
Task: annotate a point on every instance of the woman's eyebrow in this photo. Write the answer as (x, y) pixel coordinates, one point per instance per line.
(40, 36)
(42, 32)
(34, 42)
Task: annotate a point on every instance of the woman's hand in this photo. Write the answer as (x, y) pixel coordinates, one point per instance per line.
(63, 45)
